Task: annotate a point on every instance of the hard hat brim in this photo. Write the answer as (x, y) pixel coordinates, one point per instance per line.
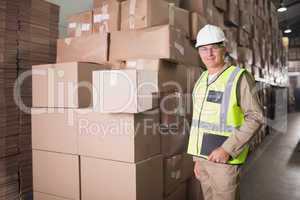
(204, 44)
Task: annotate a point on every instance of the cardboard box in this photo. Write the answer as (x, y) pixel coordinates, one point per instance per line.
(92, 48)
(257, 54)
(197, 22)
(195, 6)
(143, 14)
(231, 43)
(107, 17)
(124, 91)
(247, 5)
(245, 55)
(57, 85)
(293, 54)
(179, 194)
(244, 38)
(89, 133)
(258, 27)
(121, 180)
(231, 17)
(99, 3)
(9, 146)
(221, 5)
(194, 190)
(213, 15)
(122, 137)
(80, 24)
(177, 169)
(56, 174)
(175, 107)
(60, 138)
(175, 140)
(179, 19)
(257, 73)
(174, 2)
(163, 42)
(246, 22)
(171, 76)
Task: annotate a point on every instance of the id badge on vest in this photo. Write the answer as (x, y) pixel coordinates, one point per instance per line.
(214, 96)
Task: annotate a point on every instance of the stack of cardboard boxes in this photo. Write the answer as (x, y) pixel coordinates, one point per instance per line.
(22, 41)
(294, 54)
(37, 35)
(110, 119)
(9, 113)
(114, 111)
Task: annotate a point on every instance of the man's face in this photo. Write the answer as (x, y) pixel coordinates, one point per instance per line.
(212, 55)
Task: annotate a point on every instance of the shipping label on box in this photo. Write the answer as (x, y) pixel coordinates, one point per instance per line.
(80, 24)
(107, 17)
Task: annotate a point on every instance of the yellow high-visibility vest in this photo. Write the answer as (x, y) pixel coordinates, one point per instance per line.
(216, 113)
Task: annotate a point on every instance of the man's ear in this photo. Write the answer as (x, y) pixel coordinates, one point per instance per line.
(225, 49)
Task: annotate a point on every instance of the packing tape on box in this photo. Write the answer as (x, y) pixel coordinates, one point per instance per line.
(131, 64)
(68, 41)
(103, 19)
(104, 14)
(103, 28)
(176, 174)
(136, 64)
(99, 18)
(179, 47)
(131, 20)
(171, 14)
(85, 27)
(78, 31)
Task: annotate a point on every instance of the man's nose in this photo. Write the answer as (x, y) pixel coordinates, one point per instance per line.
(210, 52)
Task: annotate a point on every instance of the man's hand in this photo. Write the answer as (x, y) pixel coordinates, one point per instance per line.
(219, 156)
(197, 169)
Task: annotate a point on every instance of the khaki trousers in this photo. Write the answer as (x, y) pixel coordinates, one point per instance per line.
(219, 181)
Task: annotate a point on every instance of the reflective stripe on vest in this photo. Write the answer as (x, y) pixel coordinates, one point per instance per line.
(229, 115)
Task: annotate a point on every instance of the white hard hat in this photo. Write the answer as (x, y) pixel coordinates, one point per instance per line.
(210, 34)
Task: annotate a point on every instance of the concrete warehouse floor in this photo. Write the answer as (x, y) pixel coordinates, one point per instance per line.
(273, 171)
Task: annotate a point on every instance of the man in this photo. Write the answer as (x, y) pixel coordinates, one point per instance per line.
(226, 114)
